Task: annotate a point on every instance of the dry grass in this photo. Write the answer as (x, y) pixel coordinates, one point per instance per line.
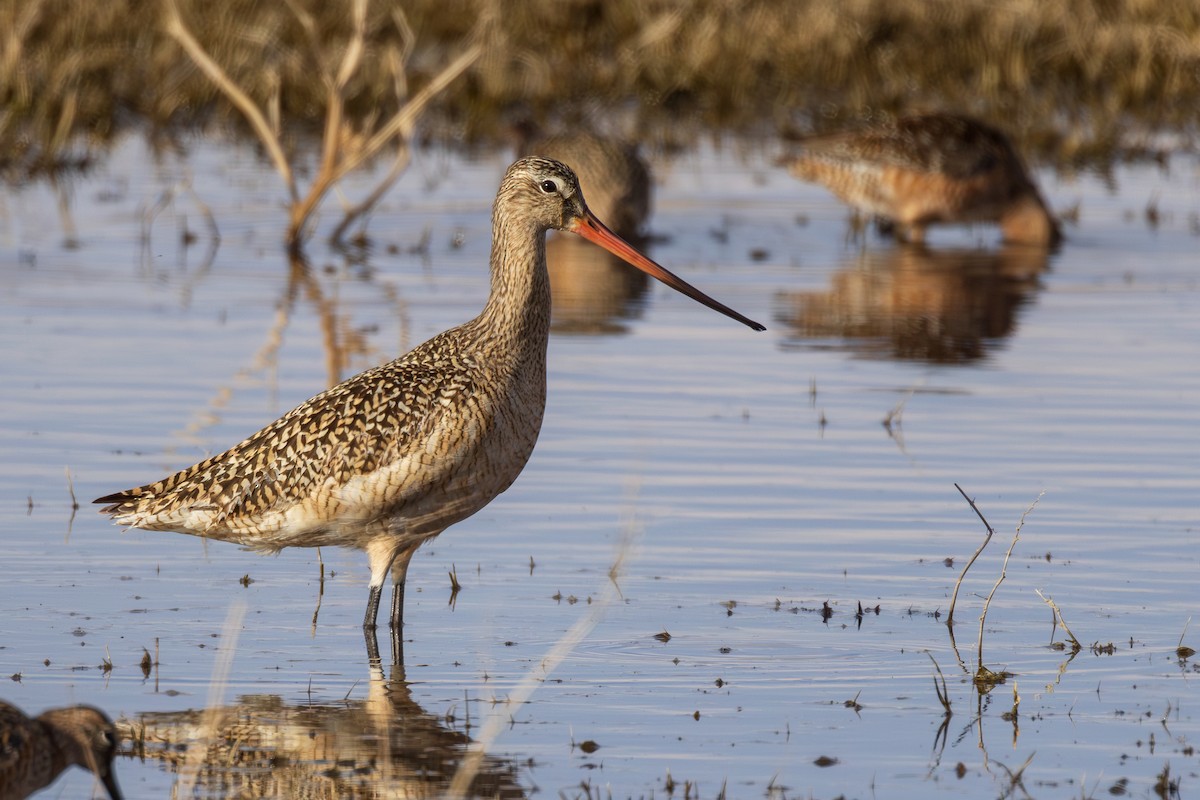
(1075, 81)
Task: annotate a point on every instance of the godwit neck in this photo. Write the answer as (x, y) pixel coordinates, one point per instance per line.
(517, 313)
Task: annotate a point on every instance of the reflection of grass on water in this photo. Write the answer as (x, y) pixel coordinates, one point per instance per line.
(1065, 77)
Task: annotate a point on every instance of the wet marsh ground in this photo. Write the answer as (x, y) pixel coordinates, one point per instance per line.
(745, 482)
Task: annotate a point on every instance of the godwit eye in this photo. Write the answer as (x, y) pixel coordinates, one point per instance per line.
(549, 186)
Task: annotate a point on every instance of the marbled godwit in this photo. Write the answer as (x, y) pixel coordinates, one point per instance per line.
(393, 456)
(33, 751)
(930, 169)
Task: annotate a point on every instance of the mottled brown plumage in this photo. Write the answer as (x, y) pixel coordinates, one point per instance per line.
(391, 457)
(34, 751)
(937, 168)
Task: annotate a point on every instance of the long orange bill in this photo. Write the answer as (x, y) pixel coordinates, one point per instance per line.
(596, 231)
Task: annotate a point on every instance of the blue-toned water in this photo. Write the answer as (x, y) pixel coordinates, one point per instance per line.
(743, 481)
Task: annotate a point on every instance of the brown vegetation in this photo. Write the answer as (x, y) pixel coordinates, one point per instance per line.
(1075, 81)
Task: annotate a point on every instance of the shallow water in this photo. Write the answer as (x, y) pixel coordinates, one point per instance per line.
(742, 480)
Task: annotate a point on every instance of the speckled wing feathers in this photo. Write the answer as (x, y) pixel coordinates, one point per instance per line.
(311, 453)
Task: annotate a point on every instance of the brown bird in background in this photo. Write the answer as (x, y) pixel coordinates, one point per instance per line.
(924, 170)
(613, 176)
(35, 750)
(592, 290)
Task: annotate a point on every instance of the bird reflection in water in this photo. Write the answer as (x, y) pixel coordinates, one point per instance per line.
(593, 292)
(385, 745)
(914, 304)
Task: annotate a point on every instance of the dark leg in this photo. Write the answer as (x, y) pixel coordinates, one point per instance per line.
(398, 651)
(399, 570)
(398, 606)
(372, 608)
(372, 647)
(381, 554)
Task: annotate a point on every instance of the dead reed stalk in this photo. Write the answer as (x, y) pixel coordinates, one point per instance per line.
(985, 679)
(1003, 574)
(963, 574)
(343, 148)
(1058, 617)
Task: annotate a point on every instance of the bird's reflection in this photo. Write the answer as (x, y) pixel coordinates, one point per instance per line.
(385, 745)
(593, 292)
(910, 303)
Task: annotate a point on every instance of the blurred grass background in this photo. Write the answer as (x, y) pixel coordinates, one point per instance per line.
(1077, 82)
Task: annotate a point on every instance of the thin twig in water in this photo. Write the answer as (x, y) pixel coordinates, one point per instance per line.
(893, 418)
(455, 586)
(988, 600)
(1003, 573)
(320, 592)
(1015, 778)
(988, 538)
(939, 685)
(1182, 651)
(1075, 645)
(75, 503)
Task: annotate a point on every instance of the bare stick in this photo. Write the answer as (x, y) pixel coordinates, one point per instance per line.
(988, 600)
(988, 538)
(399, 165)
(179, 32)
(1003, 573)
(893, 416)
(1075, 645)
(401, 126)
(939, 685)
(75, 504)
(320, 592)
(943, 696)
(399, 59)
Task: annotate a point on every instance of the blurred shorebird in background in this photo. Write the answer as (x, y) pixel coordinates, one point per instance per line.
(930, 169)
(35, 750)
